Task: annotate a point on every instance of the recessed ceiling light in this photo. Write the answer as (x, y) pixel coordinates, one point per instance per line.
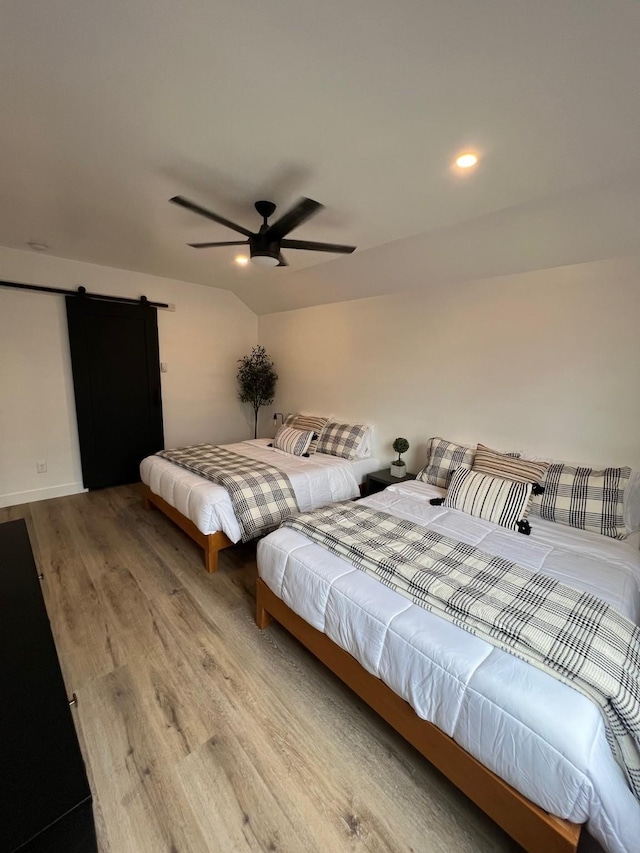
(242, 260)
(37, 247)
(467, 160)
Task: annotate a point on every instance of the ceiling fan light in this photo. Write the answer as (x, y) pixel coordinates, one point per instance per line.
(467, 160)
(265, 260)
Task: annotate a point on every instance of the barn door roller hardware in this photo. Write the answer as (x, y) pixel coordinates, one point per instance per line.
(82, 291)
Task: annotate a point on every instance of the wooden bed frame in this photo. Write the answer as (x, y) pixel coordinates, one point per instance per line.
(212, 543)
(532, 827)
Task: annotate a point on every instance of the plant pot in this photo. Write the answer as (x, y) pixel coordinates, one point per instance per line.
(398, 469)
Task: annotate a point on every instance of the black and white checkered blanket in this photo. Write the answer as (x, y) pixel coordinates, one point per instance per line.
(569, 634)
(261, 495)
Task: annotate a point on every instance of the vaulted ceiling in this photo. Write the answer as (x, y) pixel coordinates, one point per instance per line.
(110, 108)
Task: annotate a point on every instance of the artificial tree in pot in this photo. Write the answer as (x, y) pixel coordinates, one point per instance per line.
(398, 467)
(256, 382)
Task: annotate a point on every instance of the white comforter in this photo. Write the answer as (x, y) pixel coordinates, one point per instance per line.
(541, 736)
(316, 480)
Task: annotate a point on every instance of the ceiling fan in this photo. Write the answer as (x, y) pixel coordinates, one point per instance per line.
(265, 246)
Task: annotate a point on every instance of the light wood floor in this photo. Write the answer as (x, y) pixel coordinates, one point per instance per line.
(202, 733)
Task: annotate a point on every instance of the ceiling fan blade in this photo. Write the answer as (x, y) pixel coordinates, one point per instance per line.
(195, 208)
(299, 213)
(228, 243)
(283, 261)
(317, 247)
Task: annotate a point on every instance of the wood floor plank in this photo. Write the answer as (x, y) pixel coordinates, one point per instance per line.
(235, 805)
(202, 733)
(85, 634)
(222, 674)
(287, 741)
(142, 807)
(13, 513)
(153, 573)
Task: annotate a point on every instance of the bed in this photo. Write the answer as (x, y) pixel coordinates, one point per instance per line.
(528, 749)
(204, 510)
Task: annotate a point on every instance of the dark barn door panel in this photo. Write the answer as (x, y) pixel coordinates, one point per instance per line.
(45, 799)
(116, 378)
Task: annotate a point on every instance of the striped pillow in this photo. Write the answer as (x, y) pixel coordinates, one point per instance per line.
(507, 466)
(310, 422)
(341, 439)
(443, 457)
(293, 441)
(505, 502)
(585, 498)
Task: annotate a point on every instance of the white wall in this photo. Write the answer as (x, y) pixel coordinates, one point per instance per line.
(200, 342)
(547, 361)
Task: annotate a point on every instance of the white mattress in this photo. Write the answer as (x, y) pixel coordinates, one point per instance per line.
(541, 736)
(316, 480)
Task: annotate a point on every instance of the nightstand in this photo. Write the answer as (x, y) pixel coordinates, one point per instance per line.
(379, 480)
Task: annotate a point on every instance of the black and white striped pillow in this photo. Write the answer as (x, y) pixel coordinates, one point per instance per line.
(316, 423)
(293, 441)
(505, 502)
(586, 498)
(509, 466)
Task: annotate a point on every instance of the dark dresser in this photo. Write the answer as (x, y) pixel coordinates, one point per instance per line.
(45, 800)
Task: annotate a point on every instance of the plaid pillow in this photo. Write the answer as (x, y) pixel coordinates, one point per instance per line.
(505, 502)
(310, 422)
(293, 441)
(443, 457)
(585, 498)
(508, 466)
(341, 439)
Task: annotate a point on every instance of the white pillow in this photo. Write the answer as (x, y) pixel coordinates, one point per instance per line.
(632, 503)
(364, 448)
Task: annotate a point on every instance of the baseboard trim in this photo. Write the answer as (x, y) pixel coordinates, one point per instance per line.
(41, 494)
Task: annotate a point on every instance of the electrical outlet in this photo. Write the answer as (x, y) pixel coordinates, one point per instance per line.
(41, 467)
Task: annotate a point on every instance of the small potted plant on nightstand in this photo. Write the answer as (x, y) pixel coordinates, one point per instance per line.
(398, 467)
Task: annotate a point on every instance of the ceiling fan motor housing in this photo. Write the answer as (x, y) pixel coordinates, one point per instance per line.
(260, 248)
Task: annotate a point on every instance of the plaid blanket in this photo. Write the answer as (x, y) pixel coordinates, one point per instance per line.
(569, 634)
(261, 495)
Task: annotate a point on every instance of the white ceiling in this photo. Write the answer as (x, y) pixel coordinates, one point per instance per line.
(109, 108)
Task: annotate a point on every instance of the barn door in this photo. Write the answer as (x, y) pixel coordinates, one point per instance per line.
(116, 378)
